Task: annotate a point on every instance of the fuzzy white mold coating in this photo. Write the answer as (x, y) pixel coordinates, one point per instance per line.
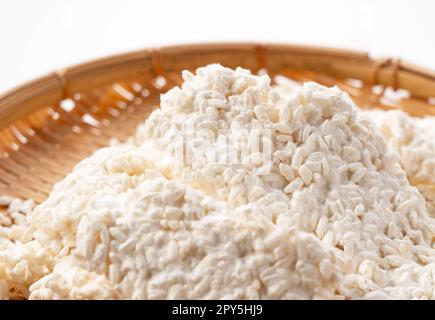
(319, 208)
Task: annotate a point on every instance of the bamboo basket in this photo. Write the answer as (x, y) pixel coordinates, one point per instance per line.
(50, 124)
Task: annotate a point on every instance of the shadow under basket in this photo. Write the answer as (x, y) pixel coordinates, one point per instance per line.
(50, 124)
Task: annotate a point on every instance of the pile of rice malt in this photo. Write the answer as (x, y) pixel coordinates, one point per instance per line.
(235, 189)
(414, 140)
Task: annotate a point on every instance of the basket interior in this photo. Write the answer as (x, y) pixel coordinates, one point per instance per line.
(49, 125)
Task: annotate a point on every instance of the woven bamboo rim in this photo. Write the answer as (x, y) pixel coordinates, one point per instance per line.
(50, 124)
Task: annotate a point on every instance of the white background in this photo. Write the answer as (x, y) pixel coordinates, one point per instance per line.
(38, 36)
